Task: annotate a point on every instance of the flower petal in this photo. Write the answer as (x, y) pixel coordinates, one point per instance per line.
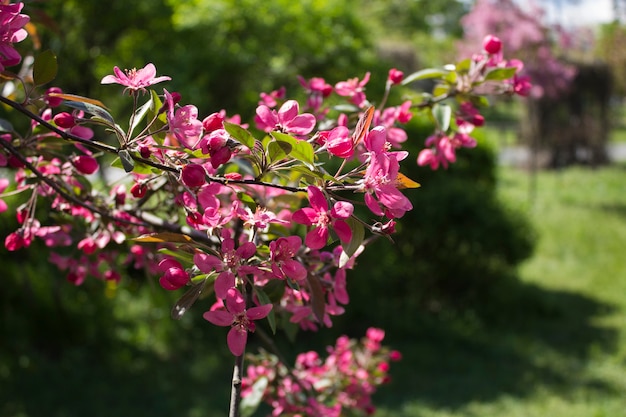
(317, 199)
(343, 231)
(236, 339)
(224, 282)
(306, 216)
(219, 317)
(317, 238)
(235, 302)
(257, 313)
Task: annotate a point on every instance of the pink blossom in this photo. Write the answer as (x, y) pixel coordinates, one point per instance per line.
(354, 89)
(135, 79)
(286, 120)
(271, 99)
(260, 219)
(338, 142)
(322, 219)
(380, 178)
(282, 252)
(238, 317)
(231, 262)
(216, 145)
(184, 124)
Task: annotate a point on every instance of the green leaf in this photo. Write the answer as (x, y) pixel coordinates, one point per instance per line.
(251, 402)
(45, 68)
(298, 149)
(240, 134)
(6, 126)
(137, 168)
(441, 89)
(277, 151)
(127, 161)
(424, 74)
(93, 109)
(499, 74)
(346, 108)
(304, 152)
(318, 301)
(183, 256)
(264, 299)
(464, 65)
(358, 235)
(442, 114)
(140, 113)
(158, 120)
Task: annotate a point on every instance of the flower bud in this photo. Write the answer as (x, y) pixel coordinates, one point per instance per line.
(64, 120)
(395, 76)
(492, 44)
(145, 152)
(53, 101)
(193, 175)
(138, 190)
(85, 164)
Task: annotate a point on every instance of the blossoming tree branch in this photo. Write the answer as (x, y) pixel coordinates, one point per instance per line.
(258, 218)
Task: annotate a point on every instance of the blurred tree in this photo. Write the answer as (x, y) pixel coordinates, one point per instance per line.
(222, 52)
(611, 47)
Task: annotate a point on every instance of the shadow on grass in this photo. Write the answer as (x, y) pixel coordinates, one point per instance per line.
(520, 339)
(85, 381)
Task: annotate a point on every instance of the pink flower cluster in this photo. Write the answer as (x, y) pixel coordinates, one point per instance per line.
(316, 387)
(11, 31)
(441, 147)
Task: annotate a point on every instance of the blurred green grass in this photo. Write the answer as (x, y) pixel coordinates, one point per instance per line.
(552, 343)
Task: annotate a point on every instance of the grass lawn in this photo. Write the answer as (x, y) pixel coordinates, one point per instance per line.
(553, 342)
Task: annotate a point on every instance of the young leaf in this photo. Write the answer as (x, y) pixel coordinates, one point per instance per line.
(318, 301)
(140, 113)
(88, 106)
(159, 120)
(277, 150)
(163, 237)
(303, 152)
(299, 149)
(402, 181)
(127, 161)
(424, 74)
(264, 299)
(442, 114)
(188, 299)
(499, 74)
(358, 234)
(45, 68)
(240, 134)
(6, 126)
